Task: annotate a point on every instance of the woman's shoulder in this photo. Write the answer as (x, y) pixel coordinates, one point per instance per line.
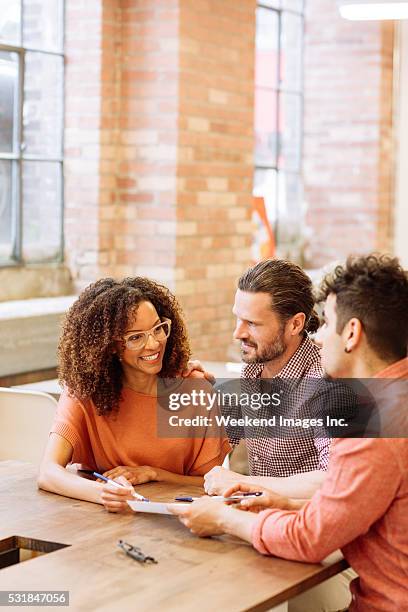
(69, 403)
(183, 384)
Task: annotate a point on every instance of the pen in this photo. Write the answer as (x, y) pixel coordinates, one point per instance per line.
(118, 484)
(222, 498)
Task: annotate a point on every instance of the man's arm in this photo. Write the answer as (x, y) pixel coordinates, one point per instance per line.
(207, 517)
(298, 486)
(361, 483)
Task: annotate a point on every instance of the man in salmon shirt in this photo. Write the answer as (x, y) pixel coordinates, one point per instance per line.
(362, 506)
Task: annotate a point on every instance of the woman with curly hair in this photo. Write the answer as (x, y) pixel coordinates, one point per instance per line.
(117, 339)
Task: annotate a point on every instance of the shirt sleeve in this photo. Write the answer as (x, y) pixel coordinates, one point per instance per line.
(333, 400)
(361, 482)
(70, 424)
(229, 393)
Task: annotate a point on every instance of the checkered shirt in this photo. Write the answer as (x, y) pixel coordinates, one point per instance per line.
(302, 450)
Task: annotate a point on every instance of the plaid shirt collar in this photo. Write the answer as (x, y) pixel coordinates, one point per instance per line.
(306, 357)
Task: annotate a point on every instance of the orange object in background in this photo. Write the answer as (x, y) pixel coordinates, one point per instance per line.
(265, 241)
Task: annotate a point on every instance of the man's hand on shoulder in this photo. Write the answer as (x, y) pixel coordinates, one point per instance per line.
(195, 365)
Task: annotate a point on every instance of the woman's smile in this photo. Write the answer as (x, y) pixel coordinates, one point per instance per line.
(154, 357)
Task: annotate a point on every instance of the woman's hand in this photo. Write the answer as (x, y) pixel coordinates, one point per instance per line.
(268, 499)
(134, 475)
(115, 498)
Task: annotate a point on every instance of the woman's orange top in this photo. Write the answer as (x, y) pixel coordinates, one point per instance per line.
(129, 437)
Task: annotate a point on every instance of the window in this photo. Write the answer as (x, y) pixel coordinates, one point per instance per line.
(278, 119)
(31, 130)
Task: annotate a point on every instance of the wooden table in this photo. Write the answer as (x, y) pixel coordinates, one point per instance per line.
(192, 573)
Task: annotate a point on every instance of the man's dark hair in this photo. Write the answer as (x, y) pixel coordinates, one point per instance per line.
(290, 289)
(374, 289)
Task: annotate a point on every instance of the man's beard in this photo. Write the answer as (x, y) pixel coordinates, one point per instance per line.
(273, 351)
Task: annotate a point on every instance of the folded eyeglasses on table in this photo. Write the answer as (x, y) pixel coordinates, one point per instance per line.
(135, 553)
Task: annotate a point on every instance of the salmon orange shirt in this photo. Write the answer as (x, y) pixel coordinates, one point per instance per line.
(129, 437)
(362, 508)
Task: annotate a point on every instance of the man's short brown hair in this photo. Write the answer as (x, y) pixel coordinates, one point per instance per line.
(374, 289)
(289, 287)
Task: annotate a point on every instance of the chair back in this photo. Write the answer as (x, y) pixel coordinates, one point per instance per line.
(25, 421)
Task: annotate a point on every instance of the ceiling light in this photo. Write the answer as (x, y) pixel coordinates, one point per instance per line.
(363, 10)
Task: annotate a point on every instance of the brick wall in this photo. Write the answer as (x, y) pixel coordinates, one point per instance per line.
(144, 235)
(215, 164)
(159, 164)
(159, 145)
(83, 50)
(121, 130)
(347, 133)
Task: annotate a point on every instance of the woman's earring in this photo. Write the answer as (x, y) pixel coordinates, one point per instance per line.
(347, 350)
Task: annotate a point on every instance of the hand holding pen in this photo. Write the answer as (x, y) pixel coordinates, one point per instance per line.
(257, 498)
(115, 493)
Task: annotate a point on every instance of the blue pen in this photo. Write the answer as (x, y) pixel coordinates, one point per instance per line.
(236, 498)
(118, 484)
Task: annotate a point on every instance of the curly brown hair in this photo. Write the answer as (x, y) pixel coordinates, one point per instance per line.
(374, 289)
(88, 366)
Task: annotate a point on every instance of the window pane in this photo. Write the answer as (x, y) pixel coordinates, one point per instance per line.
(10, 20)
(293, 5)
(265, 186)
(265, 127)
(292, 52)
(7, 186)
(266, 48)
(290, 130)
(8, 101)
(290, 212)
(264, 214)
(43, 105)
(276, 4)
(42, 24)
(42, 212)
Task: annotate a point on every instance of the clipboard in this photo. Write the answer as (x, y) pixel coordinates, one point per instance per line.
(153, 507)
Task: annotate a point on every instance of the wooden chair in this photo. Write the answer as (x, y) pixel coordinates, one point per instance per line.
(25, 421)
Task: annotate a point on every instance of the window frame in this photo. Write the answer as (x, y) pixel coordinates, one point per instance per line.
(279, 90)
(17, 156)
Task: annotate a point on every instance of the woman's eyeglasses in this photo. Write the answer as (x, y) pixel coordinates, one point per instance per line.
(135, 341)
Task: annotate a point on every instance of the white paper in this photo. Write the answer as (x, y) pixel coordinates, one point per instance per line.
(153, 507)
